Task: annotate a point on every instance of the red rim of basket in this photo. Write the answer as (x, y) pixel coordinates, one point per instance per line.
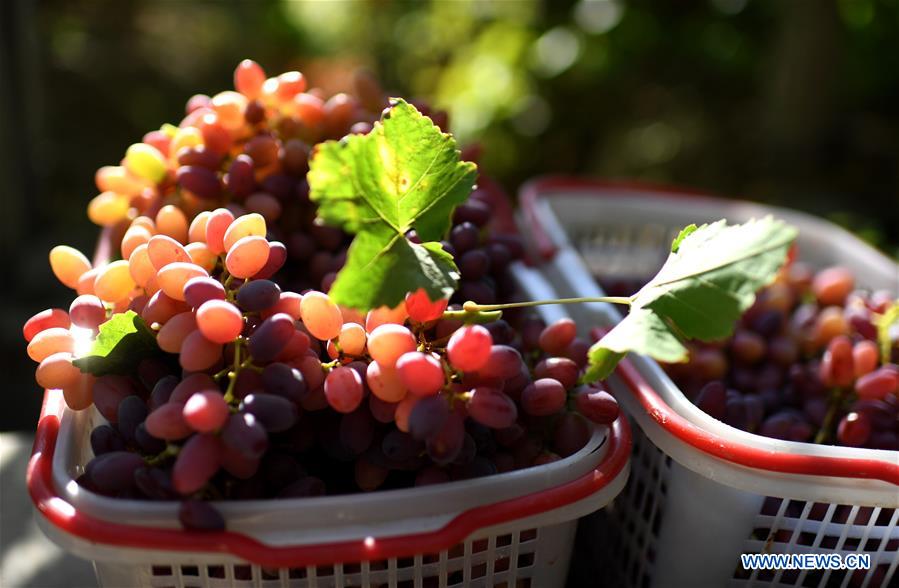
(64, 515)
(652, 403)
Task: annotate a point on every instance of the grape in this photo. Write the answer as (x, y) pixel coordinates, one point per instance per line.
(284, 380)
(87, 311)
(245, 435)
(421, 373)
(219, 321)
(382, 411)
(571, 434)
(155, 483)
(237, 464)
(277, 256)
(105, 439)
(421, 309)
(444, 445)
(196, 463)
(202, 289)
(504, 362)
(57, 371)
(145, 162)
(173, 277)
(247, 257)
(113, 472)
(109, 391)
(131, 413)
(343, 389)
(555, 338)
(474, 264)
(877, 384)
(712, 400)
(837, 367)
(597, 405)
(173, 333)
(108, 208)
(114, 282)
(275, 413)
(782, 350)
(832, 285)
(469, 348)
(219, 221)
(544, 397)
(388, 342)
(197, 515)
(163, 250)
(206, 411)
(289, 303)
(80, 395)
(492, 408)
(357, 430)
(298, 346)
(199, 353)
(854, 429)
(161, 307)
(352, 339)
(167, 422)
(321, 315)
(864, 357)
(383, 315)
(271, 337)
(248, 78)
(747, 347)
(280, 469)
(68, 264)
(50, 341)
(464, 237)
(427, 417)
(46, 319)
(559, 368)
(146, 442)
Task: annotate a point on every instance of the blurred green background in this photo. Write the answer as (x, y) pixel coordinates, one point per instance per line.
(793, 102)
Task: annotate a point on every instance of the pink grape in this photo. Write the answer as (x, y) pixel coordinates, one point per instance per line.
(421, 373)
(201, 289)
(421, 309)
(388, 342)
(206, 411)
(247, 256)
(343, 389)
(543, 397)
(385, 383)
(199, 353)
(167, 422)
(597, 405)
(468, 349)
(854, 429)
(831, 286)
(196, 463)
(219, 321)
(555, 338)
(492, 408)
(46, 319)
(877, 384)
(321, 315)
(87, 311)
(172, 334)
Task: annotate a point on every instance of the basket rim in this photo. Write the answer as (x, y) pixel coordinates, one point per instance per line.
(64, 516)
(656, 407)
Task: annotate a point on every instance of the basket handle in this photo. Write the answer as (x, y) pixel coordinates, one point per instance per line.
(745, 455)
(64, 515)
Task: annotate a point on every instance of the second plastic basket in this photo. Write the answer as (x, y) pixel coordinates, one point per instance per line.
(702, 493)
(513, 529)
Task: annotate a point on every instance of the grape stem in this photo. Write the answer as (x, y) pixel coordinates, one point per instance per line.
(836, 400)
(232, 375)
(171, 450)
(474, 307)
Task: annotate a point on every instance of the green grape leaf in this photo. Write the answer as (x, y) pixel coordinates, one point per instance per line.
(124, 340)
(709, 279)
(884, 324)
(684, 233)
(405, 174)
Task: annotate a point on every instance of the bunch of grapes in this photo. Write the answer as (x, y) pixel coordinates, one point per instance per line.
(246, 150)
(804, 364)
(262, 386)
(259, 392)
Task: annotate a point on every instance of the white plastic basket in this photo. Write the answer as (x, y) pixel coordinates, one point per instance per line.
(512, 529)
(701, 492)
